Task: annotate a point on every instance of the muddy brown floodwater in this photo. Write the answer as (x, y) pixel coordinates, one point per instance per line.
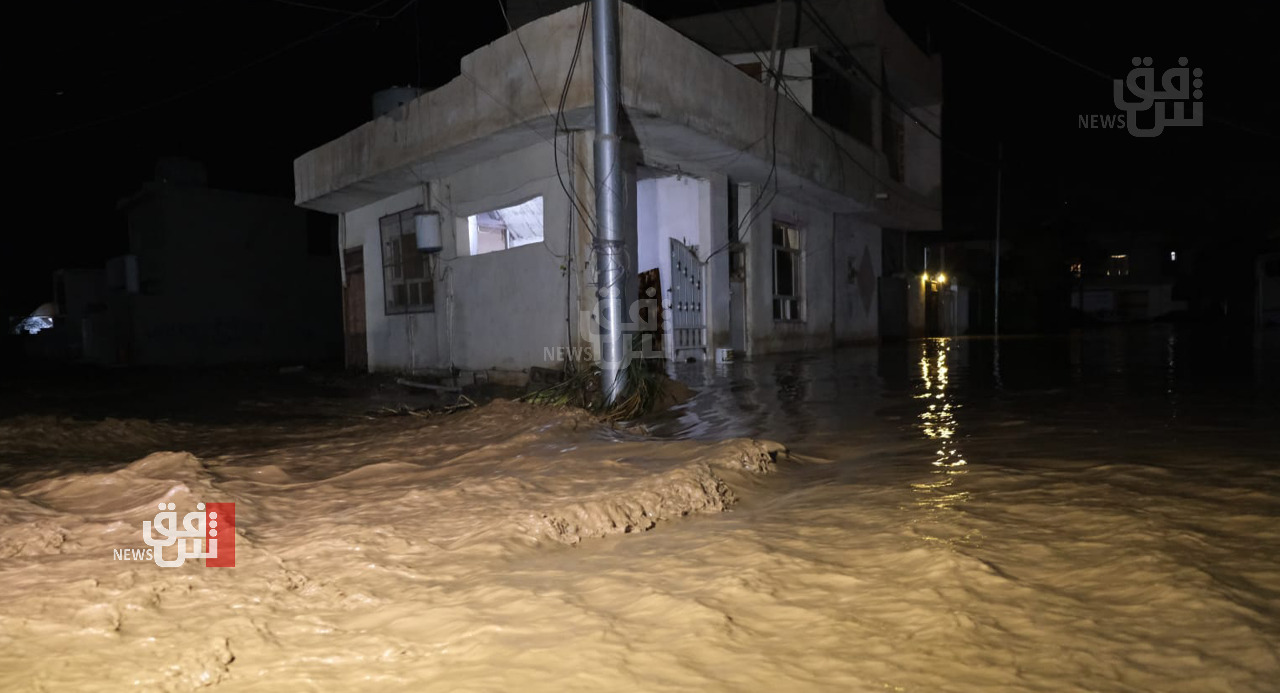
(1094, 512)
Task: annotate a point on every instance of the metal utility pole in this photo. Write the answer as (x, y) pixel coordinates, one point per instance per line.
(999, 190)
(610, 254)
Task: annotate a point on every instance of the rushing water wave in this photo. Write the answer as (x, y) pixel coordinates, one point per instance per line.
(1087, 513)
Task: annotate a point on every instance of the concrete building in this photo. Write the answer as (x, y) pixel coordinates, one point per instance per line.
(218, 277)
(762, 217)
(1130, 277)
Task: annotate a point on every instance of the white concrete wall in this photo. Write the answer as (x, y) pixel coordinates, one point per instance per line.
(714, 213)
(647, 225)
(507, 306)
(493, 312)
(797, 70)
(858, 265)
(667, 207)
(693, 210)
(395, 342)
(501, 311)
(764, 334)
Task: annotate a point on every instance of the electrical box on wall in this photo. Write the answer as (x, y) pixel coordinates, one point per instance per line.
(426, 226)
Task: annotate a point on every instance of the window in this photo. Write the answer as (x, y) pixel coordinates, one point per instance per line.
(786, 272)
(509, 227)
(1118, 266)
(841, 98)
(737, 262)
(407, 281)
(755, 69)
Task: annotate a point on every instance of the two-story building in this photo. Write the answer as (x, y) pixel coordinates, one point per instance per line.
(760, 217)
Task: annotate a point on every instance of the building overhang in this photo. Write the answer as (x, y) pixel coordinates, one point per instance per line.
(682, 105)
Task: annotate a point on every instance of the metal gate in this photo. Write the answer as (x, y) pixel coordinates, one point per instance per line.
(688, 326)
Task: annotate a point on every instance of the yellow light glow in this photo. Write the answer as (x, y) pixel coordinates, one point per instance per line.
(942, 278)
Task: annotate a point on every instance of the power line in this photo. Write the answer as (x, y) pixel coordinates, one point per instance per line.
(557, 115)
(1096, 72)
(881, 86)
(747, 218)
(581, 208)
(356, 14)
(824, 128)
(1031, 41)
(776, 74)
(213, 80)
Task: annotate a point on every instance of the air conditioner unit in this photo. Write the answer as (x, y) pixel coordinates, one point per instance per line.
(426, 227)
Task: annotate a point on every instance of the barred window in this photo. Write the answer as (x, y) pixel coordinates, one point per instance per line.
(407, 281)
(787, 281)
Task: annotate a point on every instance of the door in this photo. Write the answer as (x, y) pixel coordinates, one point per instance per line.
(893, 294)
(738, 301)
(353, 311)
(650, 314)
(688, 322)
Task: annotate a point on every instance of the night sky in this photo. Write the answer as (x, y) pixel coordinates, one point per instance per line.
(99, 91)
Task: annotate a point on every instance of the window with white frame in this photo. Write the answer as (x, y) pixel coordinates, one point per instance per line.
(508, 227)
(406, 272)
(786, 272)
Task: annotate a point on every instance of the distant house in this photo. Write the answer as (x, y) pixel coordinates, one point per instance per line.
(1129, 276)
(755, 235)
(218, 277)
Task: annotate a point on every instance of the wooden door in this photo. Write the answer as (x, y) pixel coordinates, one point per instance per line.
(353, 311)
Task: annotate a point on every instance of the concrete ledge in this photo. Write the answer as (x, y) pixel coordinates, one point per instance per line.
(678, 98)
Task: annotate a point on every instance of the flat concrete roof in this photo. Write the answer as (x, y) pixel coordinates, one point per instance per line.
(681, 102)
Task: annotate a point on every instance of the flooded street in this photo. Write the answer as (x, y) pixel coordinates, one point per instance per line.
(1093, 512)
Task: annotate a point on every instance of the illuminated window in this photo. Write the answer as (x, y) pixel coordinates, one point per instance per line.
(509, 227)
(1173, 256)
(407, 284)
(1118, 266)
(786, 272)
(1076, 270)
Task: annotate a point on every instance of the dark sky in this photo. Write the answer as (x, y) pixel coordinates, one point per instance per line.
(98, 91)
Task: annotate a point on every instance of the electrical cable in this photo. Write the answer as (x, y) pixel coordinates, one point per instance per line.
(213, 80)
(1096, 72)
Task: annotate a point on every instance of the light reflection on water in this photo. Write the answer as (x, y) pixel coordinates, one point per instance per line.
(938, 423)
(1156, 382)
(1093, 511)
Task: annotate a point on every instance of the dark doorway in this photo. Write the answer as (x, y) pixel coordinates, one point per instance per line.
(353, 311)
